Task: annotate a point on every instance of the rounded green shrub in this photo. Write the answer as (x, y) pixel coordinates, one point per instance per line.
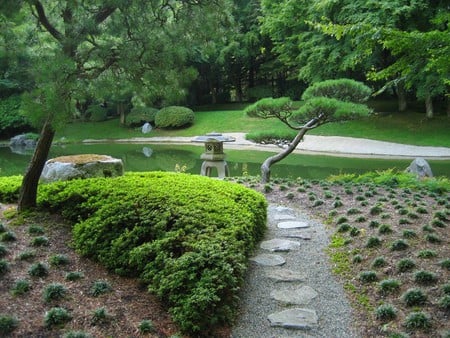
(379, 262)
(140, 115)
(413, 297)
(8, 236)
(399, 244)
(444, 302)
(389, 286)
(59, 259)
(174, 117)
(7, 325)
(96, 113)
(4, 267)
(3, 250)
(373, 242)
(56, 316)
(425, 277)
(54, 291)
(406, 264)
(40, 241)
(100, 287)
(38, 270)
(342, 89)
(418, 321)
(74, 276)
(386, 312)
(21, 287)
(368, 276)
(146, 326)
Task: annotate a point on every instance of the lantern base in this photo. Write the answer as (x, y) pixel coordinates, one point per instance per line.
(221, 166)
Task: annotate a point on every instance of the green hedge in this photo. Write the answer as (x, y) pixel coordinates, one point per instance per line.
(174, 117)
(140, 115)
(187, 237)
(12, 122)
(9, 188)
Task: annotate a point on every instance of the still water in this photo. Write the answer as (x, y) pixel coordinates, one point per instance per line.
(168, 157)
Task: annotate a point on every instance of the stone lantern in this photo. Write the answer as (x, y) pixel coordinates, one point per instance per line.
(214, 157)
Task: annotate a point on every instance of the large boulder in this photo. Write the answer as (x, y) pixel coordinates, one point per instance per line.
(22, 144)
(420, 167)
(81, 166)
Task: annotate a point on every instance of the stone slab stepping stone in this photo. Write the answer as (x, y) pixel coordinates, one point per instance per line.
(285, 275)
(299, 236)
(268, 260)
(284, 210)
(280, 245)
(300, 296)
(297, 319)
(283, 217)
(292, 225)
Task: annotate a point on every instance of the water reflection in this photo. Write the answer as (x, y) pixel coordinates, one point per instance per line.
(169, 157)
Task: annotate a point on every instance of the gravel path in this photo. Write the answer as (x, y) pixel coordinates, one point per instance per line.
(314, 288)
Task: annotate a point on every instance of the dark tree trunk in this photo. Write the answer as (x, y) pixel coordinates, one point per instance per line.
(28, 191)
(121, 112)
(448, 106)
(265, 167)
(401, 94)
(429, 107)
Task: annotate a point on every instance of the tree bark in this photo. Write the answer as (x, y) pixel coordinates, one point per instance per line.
(448, 106)
(401, 95)
(28, 191)
(265, 167)
(429, 107)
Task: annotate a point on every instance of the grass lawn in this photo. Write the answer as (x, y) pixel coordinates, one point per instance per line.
(407, 128)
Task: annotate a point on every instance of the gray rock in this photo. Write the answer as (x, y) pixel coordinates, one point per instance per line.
(301, 296)
(284, 210)
(146, 128)
(279, 245)
(305, 237)
(297, 319)
(81, 166)
(285, 275)
(282, 217)
(268, 260)
(420, 167)
(292, 225)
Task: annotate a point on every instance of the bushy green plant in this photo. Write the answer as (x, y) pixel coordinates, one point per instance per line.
(11, 121)
(357, 259)
(20, 287)
(405, 264)
(7, 325)
(418, 320)
(368, 276)
(187, 236)
(413, 297)
(432, 238)
(386, 312)
(2, 228)
(344, 227)
(373, 242)
(343, 89)
(74, 276)
(8, 236)
(100, 287)
(425, 277)
(3, 250)
(427, 253)
(444, 302)
(96, 113)
(9, 188)
(59, 259)
(100, 316)
(40, 241)
(140, 115)
(445, 263)
(270, 107)
(407, 233)
(76, 334)
(146, 326)
(56, 316)
(399, 244)
(446, 289)
(389, 286)
(174, 117)
(354, 231)
(385, 229)
(54, 291)
(26, 255)
(38, 270)
(379, 262)
(4, 267)
(353, 211)
(35, 230)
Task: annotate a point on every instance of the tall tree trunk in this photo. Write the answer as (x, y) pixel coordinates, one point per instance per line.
(401, 95)
(265, 167)
(448, 106)
(429, 107)
(121, 111)
(28, 191)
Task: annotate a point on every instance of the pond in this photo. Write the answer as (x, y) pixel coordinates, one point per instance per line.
(169, 157)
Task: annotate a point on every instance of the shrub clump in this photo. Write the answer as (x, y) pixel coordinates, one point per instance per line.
(7, 324)
(187, 237)
(386, 312)
(140, 115)
(174, 117)
(413, 297)
(56, 316)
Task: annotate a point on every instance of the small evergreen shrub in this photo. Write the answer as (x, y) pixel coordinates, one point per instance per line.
(59, 260)
(354, 231)
(27, 255)
(21, 287)
(56, 316)
(3, 250)
(427, 254)
(407, 233)
(76, 334)
(446, 289)
(140, 115)
(35, 230)
(100, 287)
(425, 277)
(2, 228)
(357, 259)
(318, 203)
(74, 276)
(368, 276)
(389, 286)
(405, 265)
(337, 204)
(373, 242)
(374, 224)
(376, 210)
(445, 264)
(440, 215)
(268, 107)
(438, 223)
(353, 211)
(386, 312)
(414, 297)
(379, 262)
(341, 220)
(384, 229)
(422, 210)
(360, 219)
(432, 238)
(418, 321)
(146, 326)
(403, 221)
(428, 228)
(54, 291)
(7, 324)
(9, 189)
(8, 236)
(444, 303)
(399, 244)
(100, 316)
(174, 117)
(40, 241)
(4, 267)
(38, 270)
(344, 227)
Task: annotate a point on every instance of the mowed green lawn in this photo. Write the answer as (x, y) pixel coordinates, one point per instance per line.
(407, 128)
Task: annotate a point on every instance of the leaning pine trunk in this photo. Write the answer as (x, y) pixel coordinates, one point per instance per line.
(265, 167)
(28, 191)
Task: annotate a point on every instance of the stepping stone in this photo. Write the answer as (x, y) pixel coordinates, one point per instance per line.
(268, 260)
(284, 210)
(278, 244)
(293, 225)
(301, 296)
(299, 236)
(283, 217)
(297, 319)
(285, 275)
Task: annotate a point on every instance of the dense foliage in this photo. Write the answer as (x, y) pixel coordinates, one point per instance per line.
(174, 117)
(347, 90)
(269, 106)
(11, 121)
(140, 115)
(187, 237)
